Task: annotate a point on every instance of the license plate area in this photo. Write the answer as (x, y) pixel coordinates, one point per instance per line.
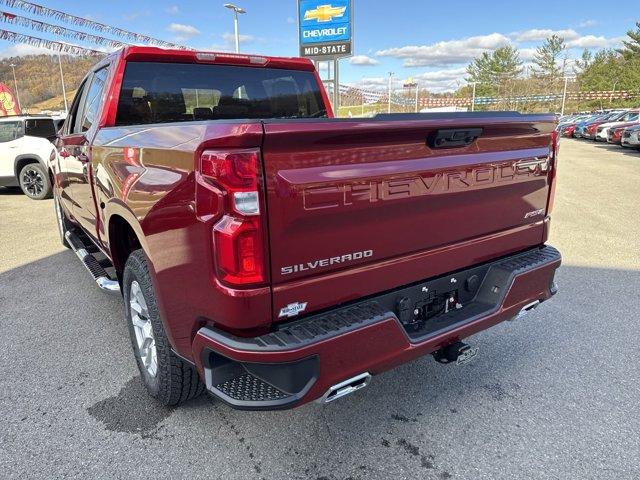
(437, 303)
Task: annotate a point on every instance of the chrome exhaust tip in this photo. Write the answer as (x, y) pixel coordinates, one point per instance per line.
(526, 309)
(345, 388)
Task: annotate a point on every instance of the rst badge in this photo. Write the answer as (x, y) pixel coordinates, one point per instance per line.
(292, 309)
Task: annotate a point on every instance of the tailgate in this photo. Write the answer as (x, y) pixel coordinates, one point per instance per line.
(349, 193)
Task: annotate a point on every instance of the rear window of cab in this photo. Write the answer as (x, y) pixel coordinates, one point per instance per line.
(178, 92)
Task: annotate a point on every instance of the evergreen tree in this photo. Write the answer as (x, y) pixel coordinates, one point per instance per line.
(584, 62)
(632, 44)
(546, 59)
(493, 70)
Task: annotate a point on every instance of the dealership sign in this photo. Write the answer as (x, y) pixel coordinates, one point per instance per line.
(325, 28)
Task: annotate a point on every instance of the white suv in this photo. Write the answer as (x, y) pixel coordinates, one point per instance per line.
(25, 153)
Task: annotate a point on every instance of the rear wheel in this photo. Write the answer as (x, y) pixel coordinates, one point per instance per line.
(167, 377)
(35, 182)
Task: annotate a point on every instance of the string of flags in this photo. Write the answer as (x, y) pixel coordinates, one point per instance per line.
(64, 17)
(353, 96)
(10, 18)
(50, 44)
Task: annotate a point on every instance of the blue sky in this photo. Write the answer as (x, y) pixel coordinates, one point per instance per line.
(427, 40)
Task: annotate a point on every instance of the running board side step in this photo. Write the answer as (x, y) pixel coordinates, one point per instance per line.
(91, 264)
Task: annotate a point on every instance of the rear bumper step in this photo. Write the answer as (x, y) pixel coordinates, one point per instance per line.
(305, 359)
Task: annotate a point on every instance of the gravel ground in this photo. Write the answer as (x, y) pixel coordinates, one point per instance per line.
(552, 396)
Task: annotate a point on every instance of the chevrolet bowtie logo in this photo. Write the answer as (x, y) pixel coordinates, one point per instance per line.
(324, 13)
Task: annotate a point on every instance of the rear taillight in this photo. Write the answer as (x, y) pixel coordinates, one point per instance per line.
(553, 153)
(238, 239)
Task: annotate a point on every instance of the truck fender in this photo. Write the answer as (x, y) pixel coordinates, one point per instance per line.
(116, 208)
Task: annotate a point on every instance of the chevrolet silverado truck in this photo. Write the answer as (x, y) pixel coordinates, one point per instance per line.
(271, 254)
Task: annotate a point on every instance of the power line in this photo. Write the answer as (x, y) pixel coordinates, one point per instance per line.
(85, 22)
(7, 17)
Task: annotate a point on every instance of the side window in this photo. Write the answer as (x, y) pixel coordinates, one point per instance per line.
(92, 102)
(70, 122)
(10, 131)
(40, 127)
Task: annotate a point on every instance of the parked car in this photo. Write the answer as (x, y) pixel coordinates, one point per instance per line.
(567, 125)
(581, 125)
(273, 255)
(568, 130)
(591, 127)
(614, 132)
(631, 116)
(631, 137)
(25, 153)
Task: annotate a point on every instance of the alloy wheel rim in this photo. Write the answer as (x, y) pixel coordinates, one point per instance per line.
(33, 182)
(145, 340)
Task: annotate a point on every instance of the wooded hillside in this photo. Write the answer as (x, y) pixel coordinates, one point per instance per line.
(38, 78)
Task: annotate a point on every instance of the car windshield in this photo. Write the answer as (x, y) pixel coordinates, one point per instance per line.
(180, 92)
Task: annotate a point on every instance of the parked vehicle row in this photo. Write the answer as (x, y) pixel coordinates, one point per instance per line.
(618, 127)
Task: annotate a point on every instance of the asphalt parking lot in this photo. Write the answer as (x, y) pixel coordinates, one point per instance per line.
(554, 395)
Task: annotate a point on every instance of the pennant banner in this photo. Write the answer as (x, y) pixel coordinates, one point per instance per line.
(50, 44)
(7, 17)
(354, 96)
(85, 22)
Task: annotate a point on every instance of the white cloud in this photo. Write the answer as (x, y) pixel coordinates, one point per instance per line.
(588, 23)
(591, 41)
(447, 52)
(291, 20)
(442, 80)
(526, 53)
(230, 38)
(446, 80)
(538, 34)
(229, 42)
(377, 83)
(172, 10)
(363, 61)
(21, 49)
(183, 31)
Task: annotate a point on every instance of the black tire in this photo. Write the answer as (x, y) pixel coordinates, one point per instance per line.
(35, 182)
(61, 221)
(175, 381)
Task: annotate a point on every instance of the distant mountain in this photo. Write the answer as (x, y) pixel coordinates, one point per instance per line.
(38, 78)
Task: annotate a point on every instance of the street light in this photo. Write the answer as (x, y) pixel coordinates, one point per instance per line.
(15, 83)
(64, 90)
(389, 93)
(473, 97)
(564, 93)
(236, 11)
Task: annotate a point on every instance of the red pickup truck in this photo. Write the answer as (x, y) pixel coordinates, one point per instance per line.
(274, 255)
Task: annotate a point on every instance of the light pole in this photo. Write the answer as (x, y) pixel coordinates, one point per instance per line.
(473, 97)
(64, 90)
(236, 11)
(613, 92)
(15, 83)
(389, 99)
(564, 95)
